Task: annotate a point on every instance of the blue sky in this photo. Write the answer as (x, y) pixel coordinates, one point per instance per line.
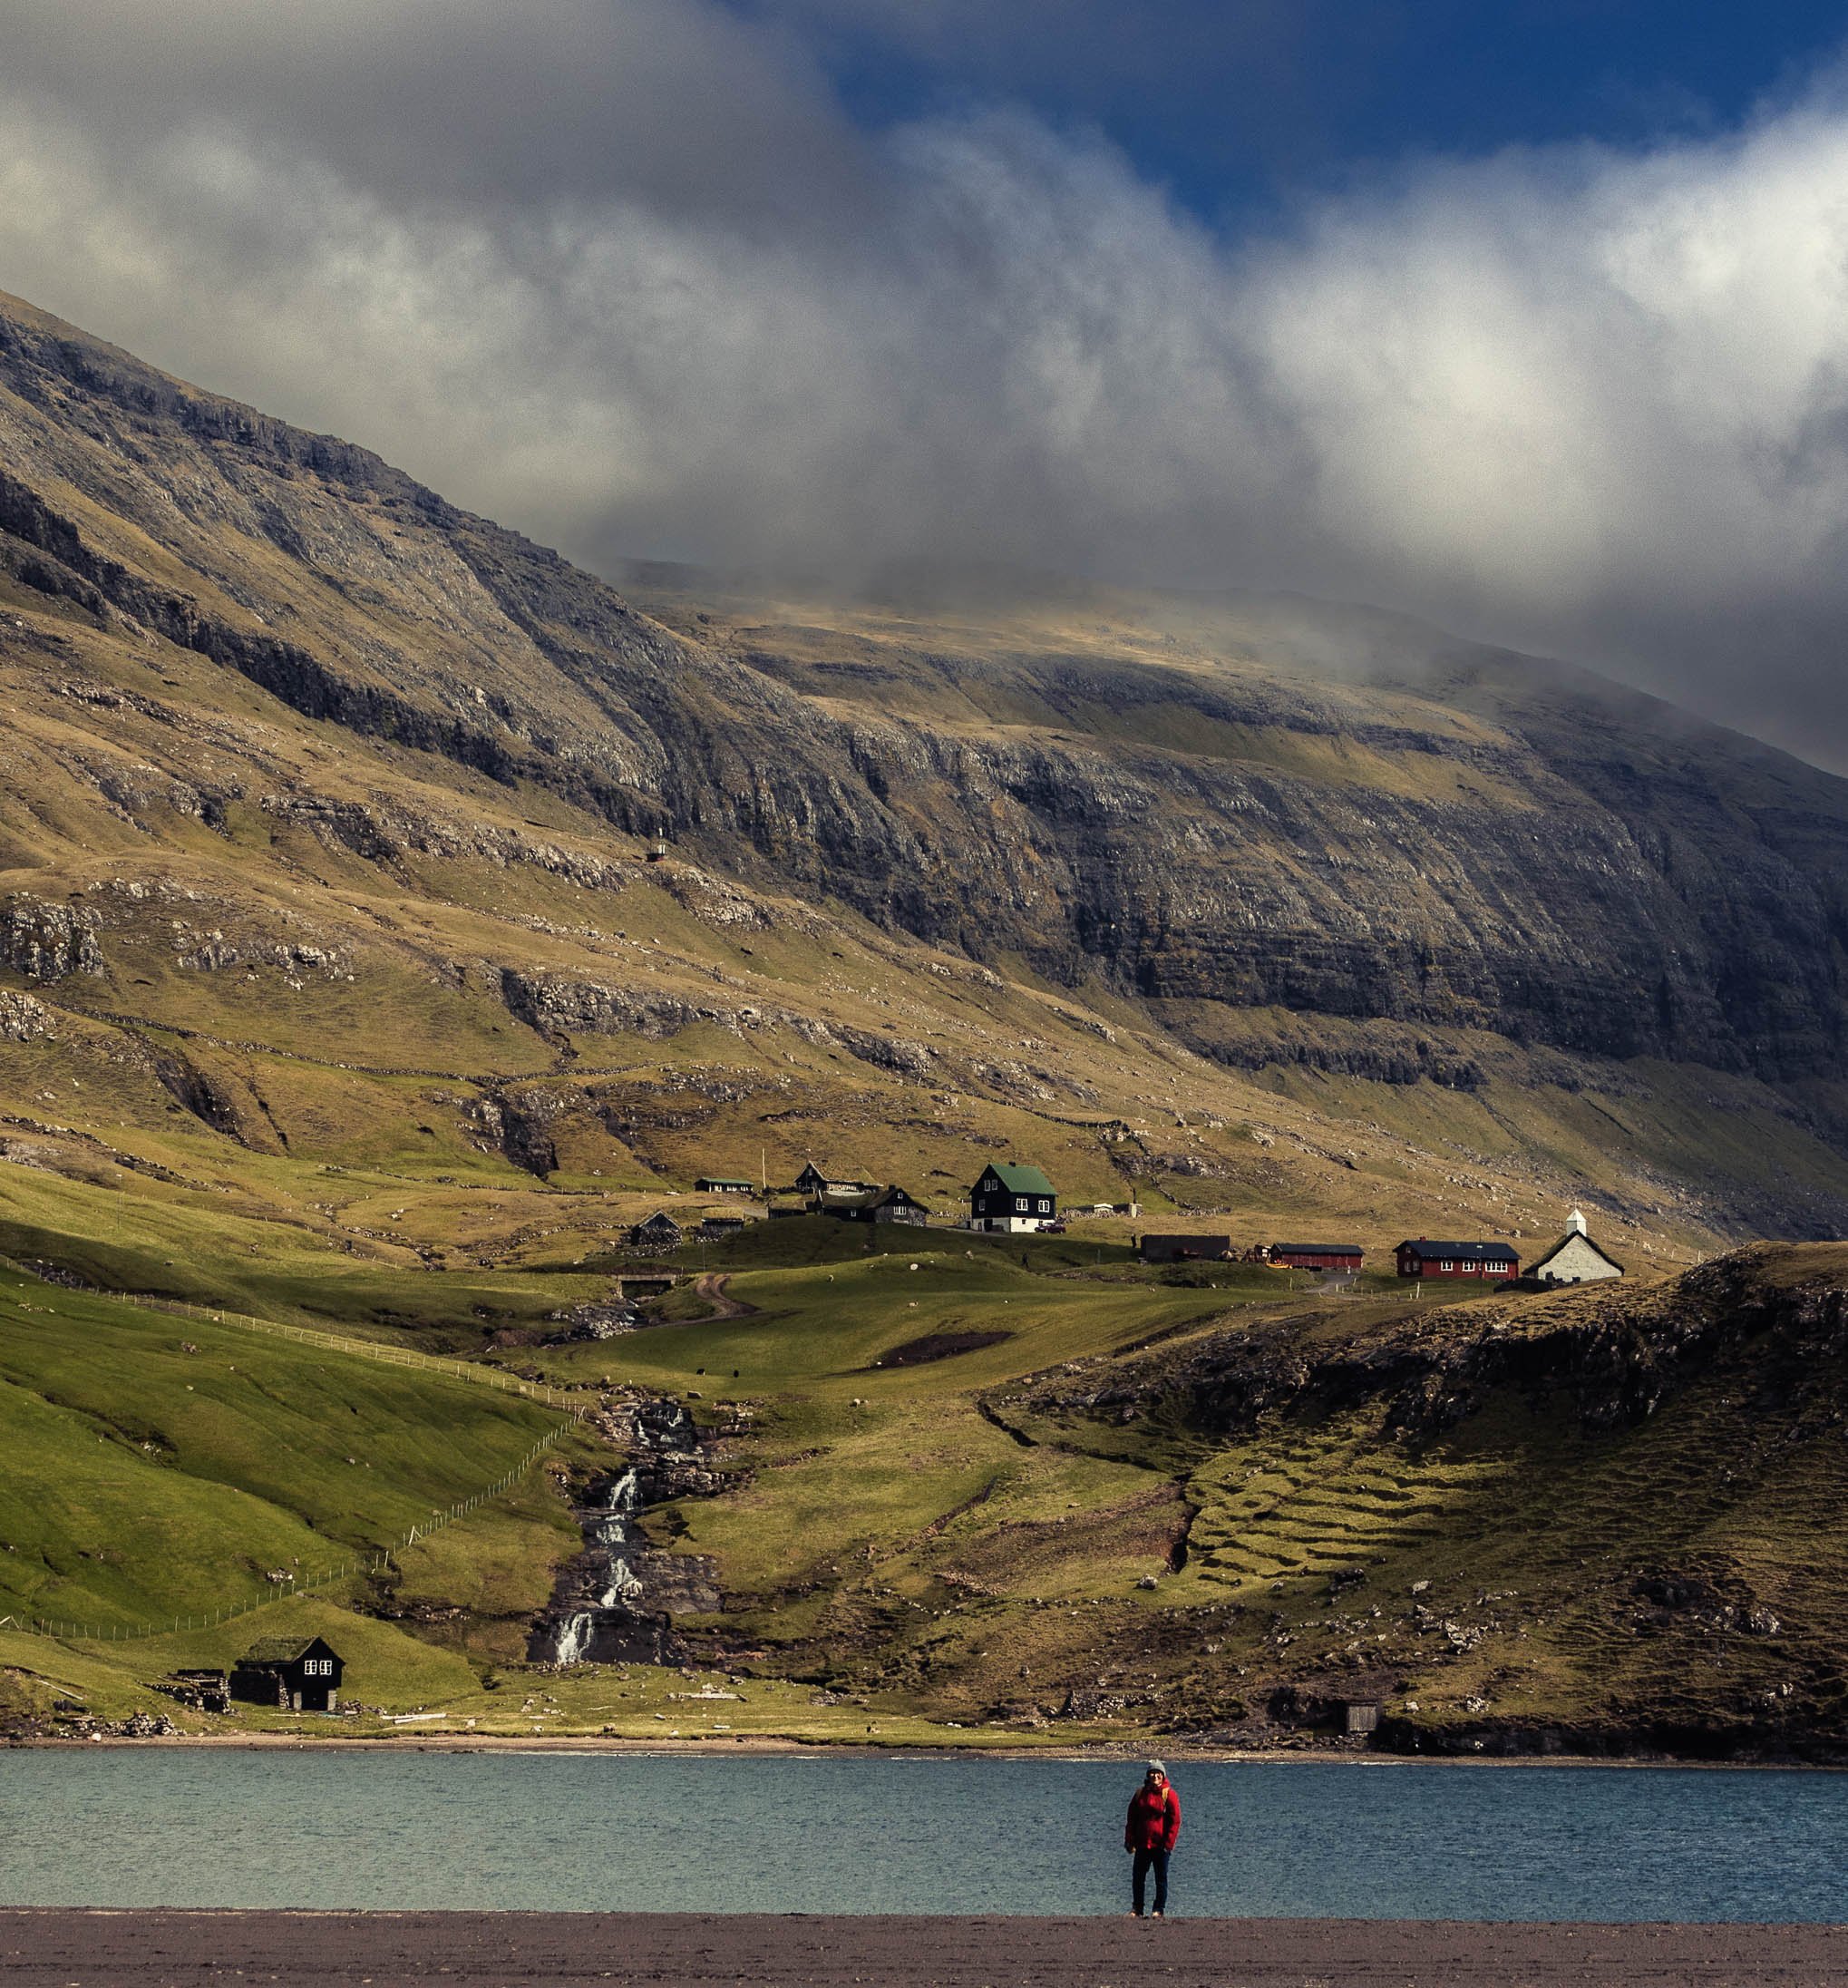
(1242, 105)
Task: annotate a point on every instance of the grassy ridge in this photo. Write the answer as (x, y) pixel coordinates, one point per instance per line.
(159, 1467)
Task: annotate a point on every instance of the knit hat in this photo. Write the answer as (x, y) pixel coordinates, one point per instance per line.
(1155, 1766)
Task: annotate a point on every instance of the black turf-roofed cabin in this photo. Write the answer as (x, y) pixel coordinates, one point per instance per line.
(659, 1232)
(294, 1673)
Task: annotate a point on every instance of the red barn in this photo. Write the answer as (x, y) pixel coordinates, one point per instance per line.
(1341, 1256)
(1491, 1259)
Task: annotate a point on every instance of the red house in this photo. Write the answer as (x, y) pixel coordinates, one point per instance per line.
(1491, 1260)
(1341, 1256)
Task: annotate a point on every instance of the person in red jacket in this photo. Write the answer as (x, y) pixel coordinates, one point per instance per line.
(1150, 1834)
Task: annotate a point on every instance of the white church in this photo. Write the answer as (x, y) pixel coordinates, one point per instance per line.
(1574, 1259)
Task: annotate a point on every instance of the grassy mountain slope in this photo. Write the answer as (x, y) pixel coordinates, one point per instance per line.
(1601, 1520)
(338, 982)
(161, 1469)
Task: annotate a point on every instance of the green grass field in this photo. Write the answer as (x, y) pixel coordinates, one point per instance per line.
(160, 1466)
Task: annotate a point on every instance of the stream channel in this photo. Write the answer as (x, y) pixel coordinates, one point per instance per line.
(616, 1601)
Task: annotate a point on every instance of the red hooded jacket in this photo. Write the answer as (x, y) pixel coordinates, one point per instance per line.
(1154, 1819)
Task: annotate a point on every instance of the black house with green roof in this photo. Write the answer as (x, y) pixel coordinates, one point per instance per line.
(1012, 1200)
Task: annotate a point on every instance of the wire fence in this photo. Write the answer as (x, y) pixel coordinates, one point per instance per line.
(377, 1560)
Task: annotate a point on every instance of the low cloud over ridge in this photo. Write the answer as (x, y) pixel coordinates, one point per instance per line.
(625, 275)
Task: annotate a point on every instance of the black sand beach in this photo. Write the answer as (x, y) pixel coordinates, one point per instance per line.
(73, 1949)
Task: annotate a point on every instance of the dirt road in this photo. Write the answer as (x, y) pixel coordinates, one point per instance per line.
(496, 1950)
(712, 1286)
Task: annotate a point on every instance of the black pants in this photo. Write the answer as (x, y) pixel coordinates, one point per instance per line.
(1156, 1860)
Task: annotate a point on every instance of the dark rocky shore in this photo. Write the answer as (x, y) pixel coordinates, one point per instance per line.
(63, 1949)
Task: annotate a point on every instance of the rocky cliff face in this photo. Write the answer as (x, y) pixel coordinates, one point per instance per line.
(1198, 827)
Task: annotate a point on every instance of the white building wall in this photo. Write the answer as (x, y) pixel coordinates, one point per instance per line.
(1576, 1262)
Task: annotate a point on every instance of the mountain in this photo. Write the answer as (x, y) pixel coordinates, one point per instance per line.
(1519, 917)
(390, 914)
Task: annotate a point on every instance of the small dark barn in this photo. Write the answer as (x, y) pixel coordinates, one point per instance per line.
(294, 1673)
(659, 1232)
(1181, 1248)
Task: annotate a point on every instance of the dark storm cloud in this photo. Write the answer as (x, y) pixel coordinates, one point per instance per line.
(622, 273)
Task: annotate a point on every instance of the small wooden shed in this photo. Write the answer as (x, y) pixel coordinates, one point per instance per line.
(1182, 1249)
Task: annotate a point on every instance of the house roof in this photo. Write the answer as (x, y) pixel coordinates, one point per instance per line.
(660, 1219)
(284, 1650)
(1020, 1180)
(866, 1196)
(1318, 1249)
(1468, 1252)
(837, 1183)
(725, 1180)
(1572, 1235)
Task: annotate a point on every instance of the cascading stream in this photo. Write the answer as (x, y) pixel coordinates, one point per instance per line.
(604, 1610)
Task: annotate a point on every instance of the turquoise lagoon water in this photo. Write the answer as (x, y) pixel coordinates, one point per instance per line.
(666, 1833)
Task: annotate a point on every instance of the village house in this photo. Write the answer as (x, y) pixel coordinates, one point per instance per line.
(722, 1228)
(1494, 1260)
(293, 1673)
(1574, 1259)
(814, 1184)
(1336, 1256)
(1181, 1248)
(659, 1232)
(873, 1205)
(713, 1184)
(1013, 1200)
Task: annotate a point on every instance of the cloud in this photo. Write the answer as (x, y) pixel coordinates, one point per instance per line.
(622, 273)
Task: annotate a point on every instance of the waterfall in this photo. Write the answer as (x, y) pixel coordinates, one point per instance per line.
(596, 1598)
(572, 1638)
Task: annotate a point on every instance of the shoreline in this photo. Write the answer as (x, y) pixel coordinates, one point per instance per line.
(736, 1746)
(54, 1947)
